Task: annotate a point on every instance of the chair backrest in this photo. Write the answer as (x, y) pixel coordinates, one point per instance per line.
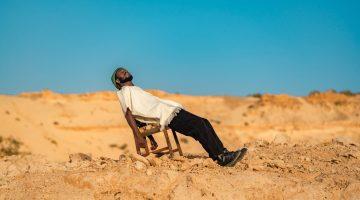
(146, 129)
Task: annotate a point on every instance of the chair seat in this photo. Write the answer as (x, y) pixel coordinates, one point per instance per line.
(149, 129)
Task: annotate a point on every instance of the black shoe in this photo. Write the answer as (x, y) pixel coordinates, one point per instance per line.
(243, 152)
(225, 150)
(230, 158)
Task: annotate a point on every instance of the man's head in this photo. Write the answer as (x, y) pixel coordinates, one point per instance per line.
(120, 77)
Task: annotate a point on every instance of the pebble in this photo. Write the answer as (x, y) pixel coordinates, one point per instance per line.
(149, 172)
(78, 157)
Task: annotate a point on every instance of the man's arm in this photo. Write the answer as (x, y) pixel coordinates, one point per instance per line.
(131, 121)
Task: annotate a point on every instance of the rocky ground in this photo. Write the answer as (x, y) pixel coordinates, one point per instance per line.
(78, 146)
(329, 170)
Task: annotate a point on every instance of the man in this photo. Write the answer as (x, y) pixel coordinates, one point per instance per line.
(147, 108)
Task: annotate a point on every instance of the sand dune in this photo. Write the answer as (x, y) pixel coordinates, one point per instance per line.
(299, 148)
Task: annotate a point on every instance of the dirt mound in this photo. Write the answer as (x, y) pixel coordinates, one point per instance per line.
(269, 171)
(330, 97)
(282, 100)
(44, 94)
(299, 148)
(50, 95)
(158, 93)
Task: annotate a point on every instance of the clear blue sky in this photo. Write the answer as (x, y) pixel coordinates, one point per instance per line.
(192, 47)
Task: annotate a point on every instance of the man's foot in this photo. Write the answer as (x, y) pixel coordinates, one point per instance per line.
(230, 158)
(243, 152)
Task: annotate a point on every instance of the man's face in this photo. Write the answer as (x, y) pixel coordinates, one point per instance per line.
(124, 76)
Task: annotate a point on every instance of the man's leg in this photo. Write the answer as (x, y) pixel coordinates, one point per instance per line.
(200, 129)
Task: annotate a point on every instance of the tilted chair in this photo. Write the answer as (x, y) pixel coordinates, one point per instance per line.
(150, 129)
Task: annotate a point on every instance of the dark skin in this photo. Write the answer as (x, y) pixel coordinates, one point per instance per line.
(124, 78)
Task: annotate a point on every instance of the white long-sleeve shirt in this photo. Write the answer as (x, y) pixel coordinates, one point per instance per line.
(146, 107)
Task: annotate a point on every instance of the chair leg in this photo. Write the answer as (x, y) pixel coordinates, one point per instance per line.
(137, 146)
(177, 143)
(168, 143)
(147, 151)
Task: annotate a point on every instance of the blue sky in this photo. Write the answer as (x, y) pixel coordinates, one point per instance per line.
(192, 47)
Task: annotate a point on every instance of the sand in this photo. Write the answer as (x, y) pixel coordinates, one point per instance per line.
(79, 146)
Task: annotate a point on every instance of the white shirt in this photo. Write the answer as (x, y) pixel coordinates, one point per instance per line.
(146, 107)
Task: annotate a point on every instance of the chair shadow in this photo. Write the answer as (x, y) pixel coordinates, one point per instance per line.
(194, 156)
(186, 155)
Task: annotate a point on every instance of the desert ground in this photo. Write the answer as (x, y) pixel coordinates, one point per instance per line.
(79, 146)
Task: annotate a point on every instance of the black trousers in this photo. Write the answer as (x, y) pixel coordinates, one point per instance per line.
(200, 129)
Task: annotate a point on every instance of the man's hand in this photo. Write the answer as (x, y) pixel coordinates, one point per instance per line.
(131, 121)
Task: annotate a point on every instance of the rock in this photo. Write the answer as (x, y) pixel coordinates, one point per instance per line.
(79, 157)
(185, 166)
(122, 157)
(136, 157)
(280, 164)
(179, 158)
(153, 160)
(311, 169)
(140, 166)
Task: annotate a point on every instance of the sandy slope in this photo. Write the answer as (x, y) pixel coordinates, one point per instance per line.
(299, 148)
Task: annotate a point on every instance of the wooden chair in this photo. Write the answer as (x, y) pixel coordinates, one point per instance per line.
(150, 129)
